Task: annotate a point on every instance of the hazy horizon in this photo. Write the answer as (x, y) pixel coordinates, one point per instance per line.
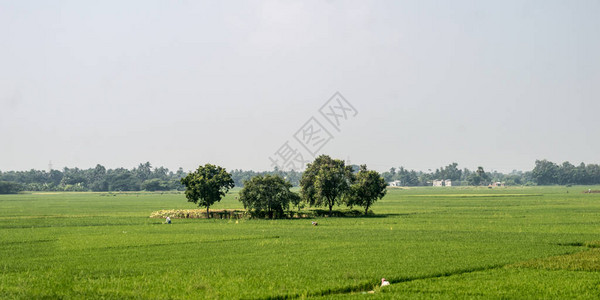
(181, 84)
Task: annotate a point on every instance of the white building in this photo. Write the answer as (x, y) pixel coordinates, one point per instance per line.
(446, 182)
(395, 183)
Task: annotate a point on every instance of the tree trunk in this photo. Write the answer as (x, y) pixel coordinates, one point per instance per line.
(366, 210)
(207, 214)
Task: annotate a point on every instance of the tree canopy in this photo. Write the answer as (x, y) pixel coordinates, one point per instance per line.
(478, 177)
(207, 185)
(368, 187)
(268, 195)
(7, 187)
(545, 172)
(325, 182)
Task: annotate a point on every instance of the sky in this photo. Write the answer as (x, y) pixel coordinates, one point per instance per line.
(242, 84)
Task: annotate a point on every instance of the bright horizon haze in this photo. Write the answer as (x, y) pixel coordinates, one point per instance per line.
(180, 84)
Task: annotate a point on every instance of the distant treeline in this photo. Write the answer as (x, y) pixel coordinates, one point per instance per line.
(146, 177)
(544, 173)
(457, 176)
(99, 179)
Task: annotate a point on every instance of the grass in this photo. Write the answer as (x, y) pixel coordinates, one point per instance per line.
(429, 242)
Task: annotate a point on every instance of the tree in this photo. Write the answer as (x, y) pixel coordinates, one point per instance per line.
(545, 172)
(478, 177)
(368, 187)
(98, 179)
(143, 171)
(268, 194)
(580, 174)
(452, 172)
(593, 173)
(155, 184)
(207, 185)
(325, 182)
(73, 176)
(7, 187)
(566, 173)
(122, 179)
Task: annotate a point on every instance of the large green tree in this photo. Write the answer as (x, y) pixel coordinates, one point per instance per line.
(478, 177)
(7, 187)
(207, 185)
(268, 195)
(325, 182)
(368, 187)
(545, 172)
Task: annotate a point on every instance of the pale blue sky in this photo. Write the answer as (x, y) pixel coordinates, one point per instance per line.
(183, 83)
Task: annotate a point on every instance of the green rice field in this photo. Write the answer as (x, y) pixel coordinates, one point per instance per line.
(455, 243)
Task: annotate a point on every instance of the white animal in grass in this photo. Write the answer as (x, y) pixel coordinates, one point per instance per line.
(384, 282)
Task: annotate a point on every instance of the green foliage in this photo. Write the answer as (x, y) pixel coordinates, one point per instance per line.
(326, 181)
(122, 180)
(545, 172)
(100, 179)
(97, 179)
(268, 195)
(240, 176)
(451, 172)
(207, 185)
(478, 177)
(548, 173)
(7, 187)
(367, 188)
(155, 184)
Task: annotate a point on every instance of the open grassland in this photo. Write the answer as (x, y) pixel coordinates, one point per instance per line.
(429, 242)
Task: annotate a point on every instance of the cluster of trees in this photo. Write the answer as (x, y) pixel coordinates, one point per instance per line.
(329, 182)
(326, 182)
(7, 187)
(546, 173)
(99, 179)
(268, 196)
(241, 176)
(458, 176)
(143, 177)
(146, 177)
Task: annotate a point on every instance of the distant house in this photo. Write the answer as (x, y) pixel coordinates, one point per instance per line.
(497, 184)
(446, 182)
(395, 183)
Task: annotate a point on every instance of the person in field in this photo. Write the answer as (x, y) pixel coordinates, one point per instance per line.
(384, 282)
(168, 220)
